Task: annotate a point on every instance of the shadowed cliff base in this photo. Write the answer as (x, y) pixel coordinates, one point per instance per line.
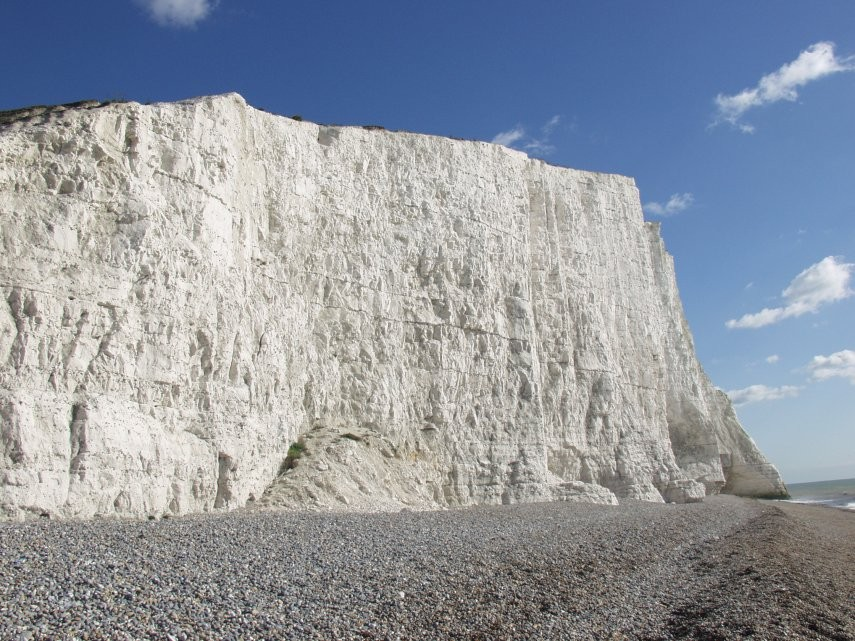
(725, 569)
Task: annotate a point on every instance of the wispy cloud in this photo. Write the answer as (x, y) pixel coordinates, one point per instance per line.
(178, 13)
(824, 282)
(519, 138)
(774, 358)
(759, 393)
(509, 137)
(676, 204)
(815, 62)
(840, 364)
(551, 124)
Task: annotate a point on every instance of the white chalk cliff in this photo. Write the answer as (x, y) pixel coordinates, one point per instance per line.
(189, 289)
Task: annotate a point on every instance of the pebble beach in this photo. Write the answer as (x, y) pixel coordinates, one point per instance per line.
(727, 568)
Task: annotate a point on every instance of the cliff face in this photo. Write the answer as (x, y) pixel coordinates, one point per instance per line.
(191, 288)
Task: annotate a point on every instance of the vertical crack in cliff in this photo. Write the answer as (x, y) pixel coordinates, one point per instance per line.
(18, 343)
(226, 468)
(8, 329)
(78, 444)
(10, 432)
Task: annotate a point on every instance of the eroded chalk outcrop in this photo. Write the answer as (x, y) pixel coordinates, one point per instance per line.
(188, 289)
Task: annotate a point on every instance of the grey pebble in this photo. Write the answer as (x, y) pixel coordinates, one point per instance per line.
(538, 571)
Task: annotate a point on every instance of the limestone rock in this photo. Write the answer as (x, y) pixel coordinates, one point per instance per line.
(188, 289)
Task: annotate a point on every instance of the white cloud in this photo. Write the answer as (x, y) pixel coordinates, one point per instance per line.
(758, 393)
(550, 125)
(824, 282)
(539, 147)
(178, 13)
(815, 62)
(774, 358)
(517, 137)
(509, 137)
(840, 364)
(676, 204)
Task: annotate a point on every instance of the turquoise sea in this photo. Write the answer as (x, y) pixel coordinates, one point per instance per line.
(839, 493)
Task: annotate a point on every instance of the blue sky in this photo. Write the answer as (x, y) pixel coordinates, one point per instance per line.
(737, 119)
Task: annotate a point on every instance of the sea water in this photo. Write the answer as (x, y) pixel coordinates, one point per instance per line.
(839, 493)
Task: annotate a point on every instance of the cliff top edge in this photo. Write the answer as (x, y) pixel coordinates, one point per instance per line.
(46, 112)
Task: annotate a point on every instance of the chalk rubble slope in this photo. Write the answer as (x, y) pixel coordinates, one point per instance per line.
(190, 288)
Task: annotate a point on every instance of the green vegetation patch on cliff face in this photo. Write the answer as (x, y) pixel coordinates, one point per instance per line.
(295, 452)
